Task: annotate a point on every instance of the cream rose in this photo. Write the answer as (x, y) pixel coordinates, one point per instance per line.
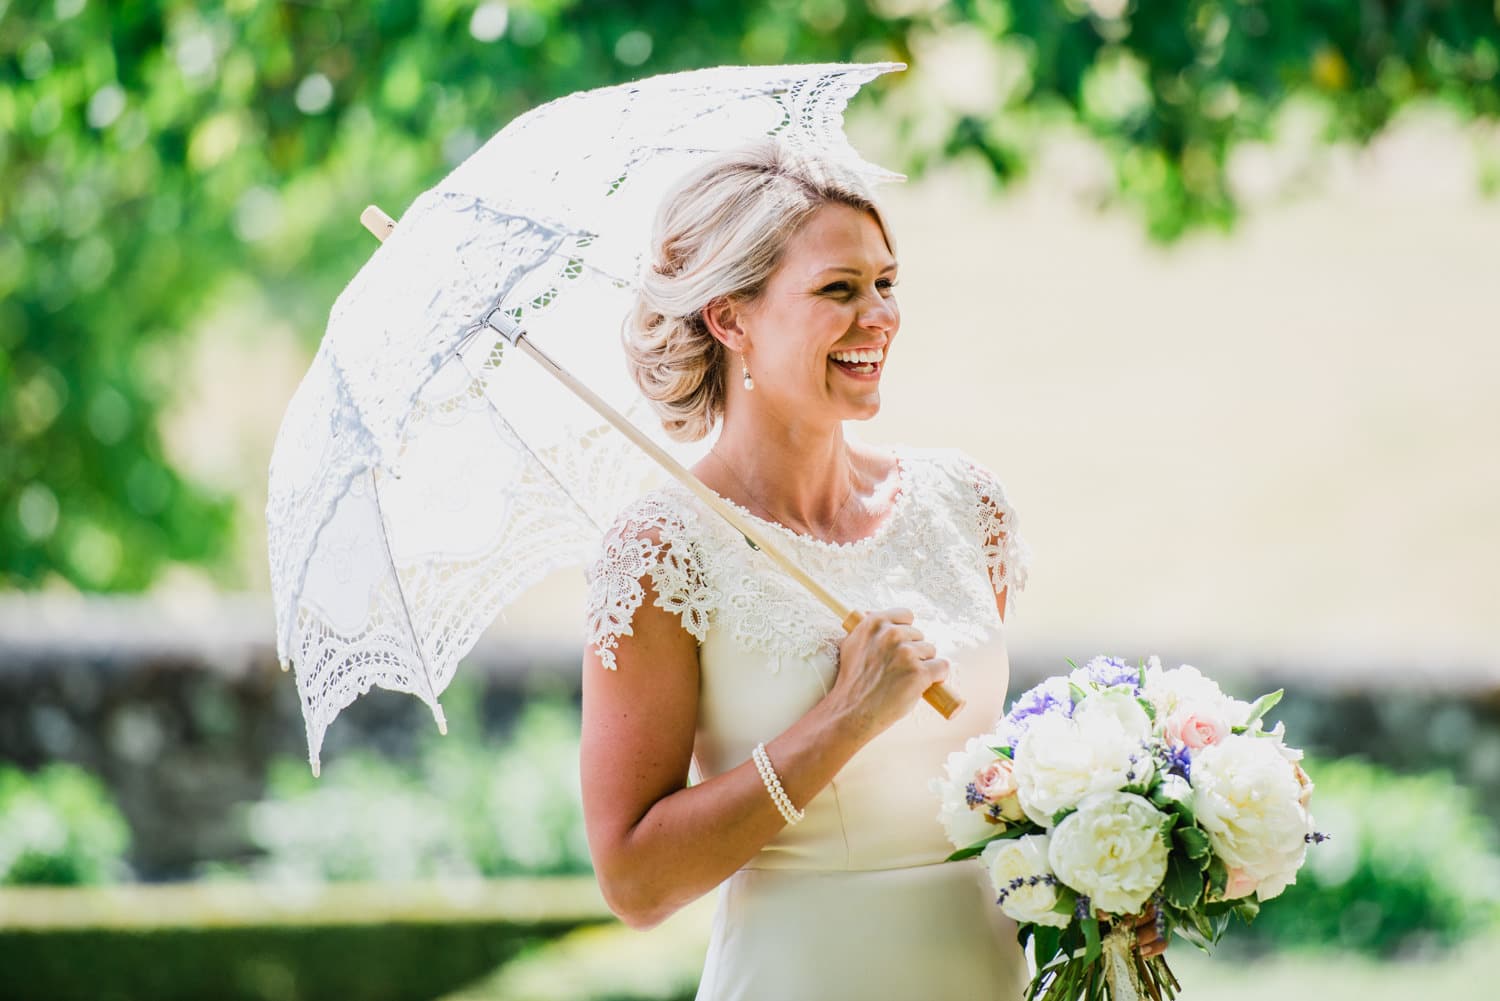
(1247, 797)
(1023, 880)
(1111, 849)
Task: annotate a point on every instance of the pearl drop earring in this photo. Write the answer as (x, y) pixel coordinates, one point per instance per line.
(749, 382)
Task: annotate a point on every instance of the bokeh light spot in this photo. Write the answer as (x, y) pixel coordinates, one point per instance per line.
(314, 94)
(489, 21)
(36, 510)
(633, 48)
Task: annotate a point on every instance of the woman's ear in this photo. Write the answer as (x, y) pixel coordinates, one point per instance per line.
(723, 319)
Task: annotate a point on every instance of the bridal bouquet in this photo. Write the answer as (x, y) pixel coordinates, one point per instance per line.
(1117, 786)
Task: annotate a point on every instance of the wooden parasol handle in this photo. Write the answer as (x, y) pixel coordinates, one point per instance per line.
(940, 696)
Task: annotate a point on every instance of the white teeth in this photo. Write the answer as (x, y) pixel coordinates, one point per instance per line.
(857, 357)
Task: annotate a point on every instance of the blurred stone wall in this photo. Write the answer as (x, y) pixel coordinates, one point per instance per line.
(182, 709)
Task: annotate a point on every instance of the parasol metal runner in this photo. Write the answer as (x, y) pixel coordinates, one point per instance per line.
(940, 696)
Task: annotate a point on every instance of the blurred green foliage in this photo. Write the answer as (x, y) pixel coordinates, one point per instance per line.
(149, 150)
(464, 806)
(1412, 866)
(59, 827)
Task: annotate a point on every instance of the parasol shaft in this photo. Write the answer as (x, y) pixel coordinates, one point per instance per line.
(940, 696)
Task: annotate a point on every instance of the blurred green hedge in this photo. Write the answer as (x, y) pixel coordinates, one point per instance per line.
(465, 805)
(1411, 867)
(59, 827)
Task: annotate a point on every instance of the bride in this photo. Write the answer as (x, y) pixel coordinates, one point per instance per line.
(733, 736)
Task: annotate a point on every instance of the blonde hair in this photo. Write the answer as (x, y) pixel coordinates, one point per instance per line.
(721, 233)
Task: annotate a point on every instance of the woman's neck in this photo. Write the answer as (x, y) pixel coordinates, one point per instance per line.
(807, 478)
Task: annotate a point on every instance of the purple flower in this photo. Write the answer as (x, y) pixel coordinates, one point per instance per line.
(1179, 761)
(1106, 672)
(1032, 705)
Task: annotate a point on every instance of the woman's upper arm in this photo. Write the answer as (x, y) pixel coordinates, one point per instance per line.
(639, 720)
(649, 608)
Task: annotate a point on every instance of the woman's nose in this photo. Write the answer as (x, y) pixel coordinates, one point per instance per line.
(880, 314)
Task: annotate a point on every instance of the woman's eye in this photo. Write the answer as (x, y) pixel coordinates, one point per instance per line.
(837, 288)
(886, 284)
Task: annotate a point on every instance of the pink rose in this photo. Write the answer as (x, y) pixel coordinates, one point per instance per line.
(1241, 884)
(996, 783)
(996, 780)
(1196, 730)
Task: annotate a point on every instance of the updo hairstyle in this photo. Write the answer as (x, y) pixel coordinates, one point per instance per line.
(721, 232)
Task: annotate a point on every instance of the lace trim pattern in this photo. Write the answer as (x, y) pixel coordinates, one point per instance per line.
(948, 549)
(650, 539)
(1007, 557)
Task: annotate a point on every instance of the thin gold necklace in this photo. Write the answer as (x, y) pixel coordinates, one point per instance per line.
(767, 511)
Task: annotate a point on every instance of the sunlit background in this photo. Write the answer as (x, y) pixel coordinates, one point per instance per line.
(1210, 285)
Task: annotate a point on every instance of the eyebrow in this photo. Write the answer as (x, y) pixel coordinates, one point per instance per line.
(856, 271)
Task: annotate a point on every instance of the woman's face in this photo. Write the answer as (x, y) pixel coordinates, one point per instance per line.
(817, 336)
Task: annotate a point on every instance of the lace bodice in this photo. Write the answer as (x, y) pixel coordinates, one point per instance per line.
(950, 518)
(768, 650)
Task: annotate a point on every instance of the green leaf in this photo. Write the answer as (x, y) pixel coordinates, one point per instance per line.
(1078, 693)
(1263, 705)
(1193, 842)
(1015, 830)
(1149, 708)
(1067, 900)
(1091, 939)
(1004, 752)
(1248, 908)
(1218, 876)
(1047, 939)
(1184, 882)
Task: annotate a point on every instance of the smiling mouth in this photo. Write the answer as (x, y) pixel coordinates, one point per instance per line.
(864, 363)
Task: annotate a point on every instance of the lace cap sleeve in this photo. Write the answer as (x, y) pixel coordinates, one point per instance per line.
(650, 538)
(1006, 554)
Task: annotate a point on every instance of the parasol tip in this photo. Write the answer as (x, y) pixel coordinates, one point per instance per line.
(376, 221)
(442, 720)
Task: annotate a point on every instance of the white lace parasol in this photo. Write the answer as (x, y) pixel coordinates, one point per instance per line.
(420, 479)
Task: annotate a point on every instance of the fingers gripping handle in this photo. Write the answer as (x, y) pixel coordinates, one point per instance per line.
(941, 696)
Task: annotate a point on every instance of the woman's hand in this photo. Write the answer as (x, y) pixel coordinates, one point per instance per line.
(885, 665)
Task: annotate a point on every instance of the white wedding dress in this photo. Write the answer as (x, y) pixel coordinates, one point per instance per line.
(856, 900)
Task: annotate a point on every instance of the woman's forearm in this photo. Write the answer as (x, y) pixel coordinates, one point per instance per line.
(692, 840)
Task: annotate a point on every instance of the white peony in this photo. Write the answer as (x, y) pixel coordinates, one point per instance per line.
(1247, 796)
(1060, 760)
(962, 822)
(1186, 689)
(1111, 850)
(1114, 706)
(1023, 879)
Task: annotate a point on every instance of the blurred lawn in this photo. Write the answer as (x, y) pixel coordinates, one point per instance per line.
(617, 964)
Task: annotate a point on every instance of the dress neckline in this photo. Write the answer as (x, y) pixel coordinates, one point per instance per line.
(899, 504)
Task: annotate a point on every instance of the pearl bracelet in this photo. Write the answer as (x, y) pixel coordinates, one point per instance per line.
(773, 785)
